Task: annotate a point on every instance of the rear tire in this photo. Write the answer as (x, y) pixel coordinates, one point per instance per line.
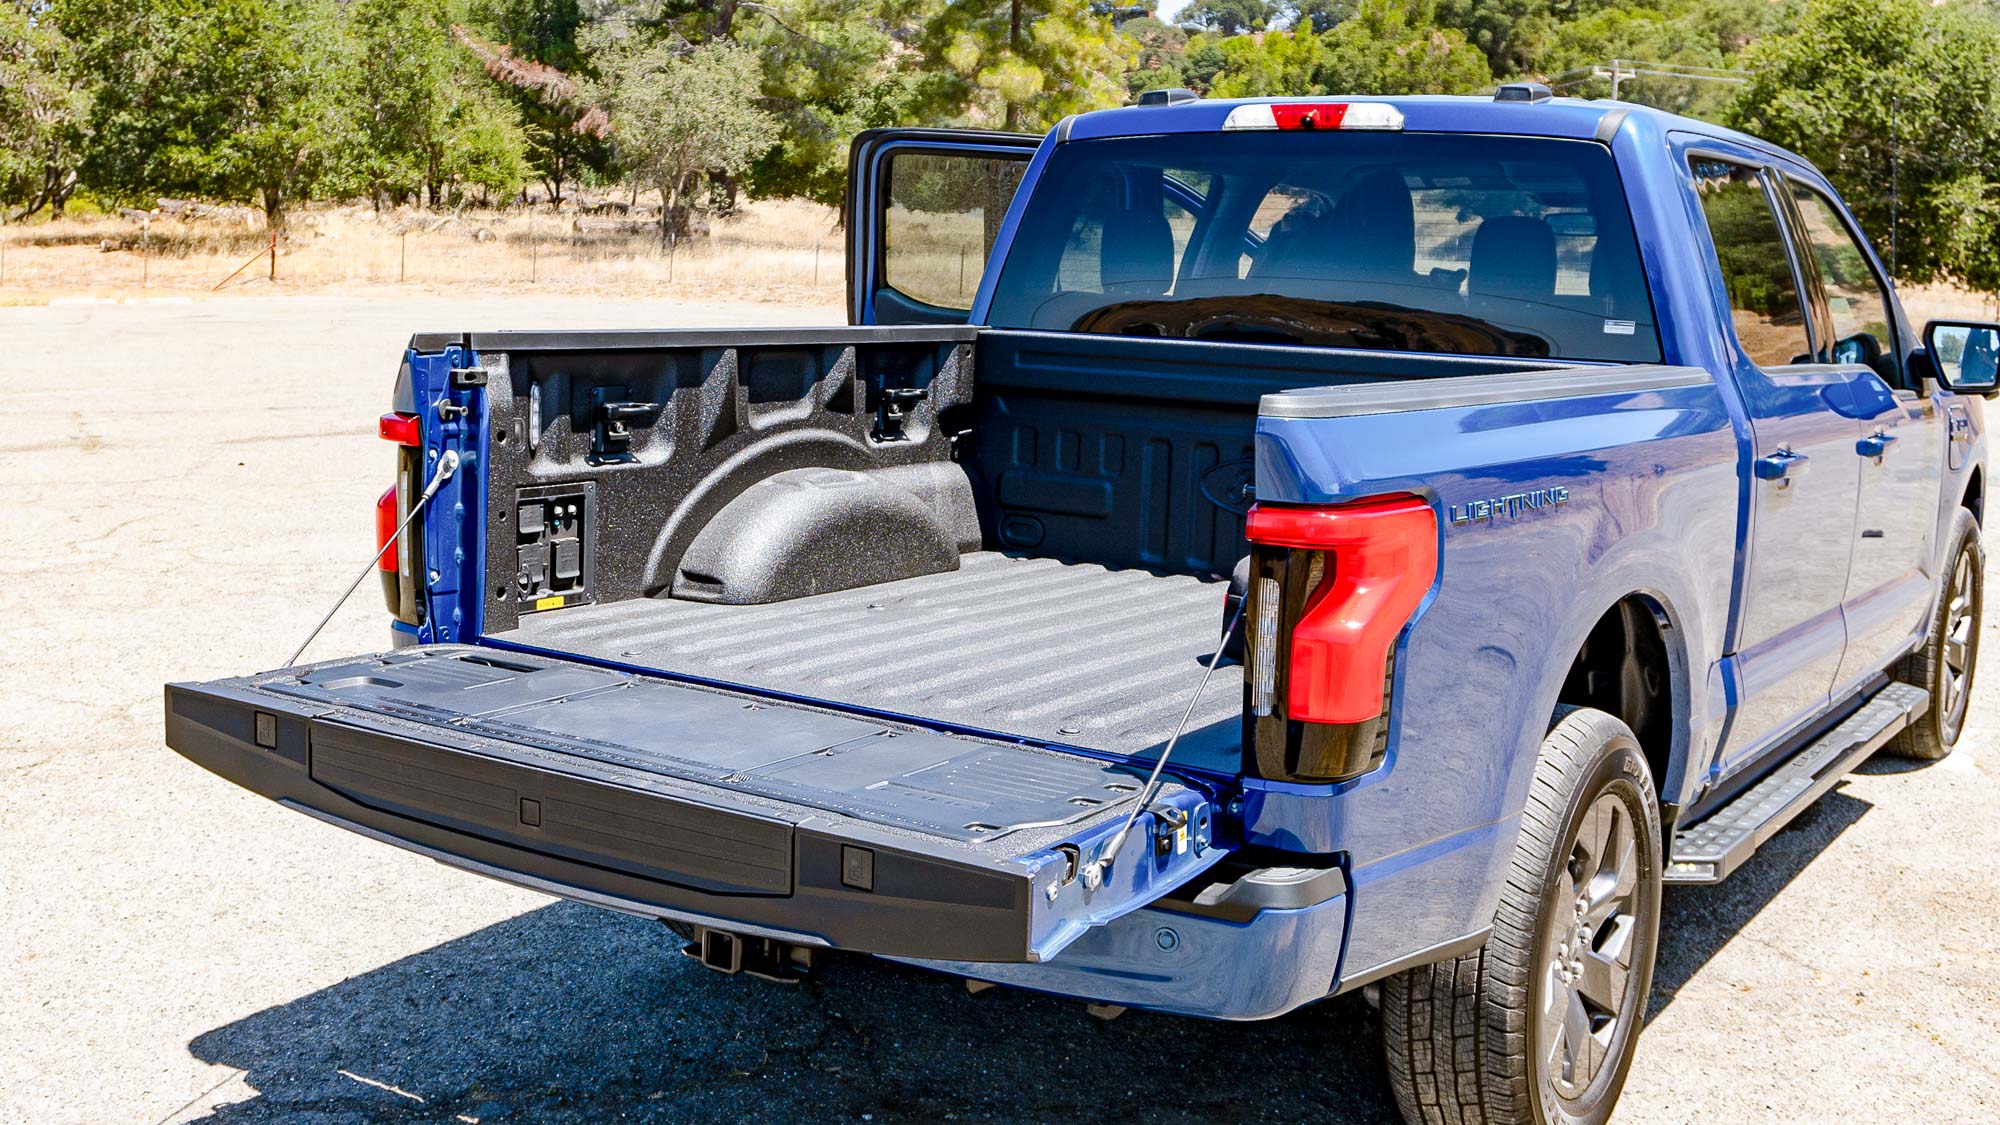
(1943, 665)
(1539, 1023)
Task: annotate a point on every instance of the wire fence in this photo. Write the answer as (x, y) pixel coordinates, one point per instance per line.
(784, 249)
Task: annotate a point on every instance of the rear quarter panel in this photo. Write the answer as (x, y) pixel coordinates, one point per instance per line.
(1652, 510)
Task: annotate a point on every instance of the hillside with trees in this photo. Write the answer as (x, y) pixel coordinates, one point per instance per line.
(698, 105)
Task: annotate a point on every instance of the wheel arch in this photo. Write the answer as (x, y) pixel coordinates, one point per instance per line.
(1974, 500)
(1632, 664)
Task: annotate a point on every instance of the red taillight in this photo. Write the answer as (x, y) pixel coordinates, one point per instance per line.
(1309, 116)
(385, 529)
(403, 429)
(1381, 558)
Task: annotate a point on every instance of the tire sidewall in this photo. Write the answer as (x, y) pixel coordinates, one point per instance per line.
(1967, 546)
(1620, 768)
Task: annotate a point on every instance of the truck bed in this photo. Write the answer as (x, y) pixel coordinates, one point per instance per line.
(1069, 653)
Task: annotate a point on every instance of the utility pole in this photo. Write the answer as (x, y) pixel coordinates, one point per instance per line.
(1617, 74)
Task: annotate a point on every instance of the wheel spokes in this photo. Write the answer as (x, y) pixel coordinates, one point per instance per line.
(1616, 878)
(1606, 969)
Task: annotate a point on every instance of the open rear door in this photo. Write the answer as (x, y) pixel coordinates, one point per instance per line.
(924, 207)
(674, 800)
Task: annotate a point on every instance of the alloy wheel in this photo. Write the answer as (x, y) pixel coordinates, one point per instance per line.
(1587, 991)
(1955, 655)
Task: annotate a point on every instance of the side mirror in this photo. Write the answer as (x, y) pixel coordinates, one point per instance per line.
(1966, 355)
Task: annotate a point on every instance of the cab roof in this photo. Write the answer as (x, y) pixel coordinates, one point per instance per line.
(1571, 118)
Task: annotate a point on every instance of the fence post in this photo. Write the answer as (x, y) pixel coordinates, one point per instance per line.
(274, 255)
(403, 265)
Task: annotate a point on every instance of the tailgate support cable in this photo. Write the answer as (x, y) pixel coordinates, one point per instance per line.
(447, 465)
(1095, 873)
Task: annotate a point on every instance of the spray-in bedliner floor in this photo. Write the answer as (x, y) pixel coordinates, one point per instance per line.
(1069, 653)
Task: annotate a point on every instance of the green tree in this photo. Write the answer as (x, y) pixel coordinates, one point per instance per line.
(1027, 62)
(230, 99)
(1898, 102)
(1321, 16)
(44, 103)
(536, 56)
(429, 122)
(1203, 61)
(679, 114)
(1229, 17)
(830, 70)
(1157, 52)
(1274, 63)
(1649, 35)
(1510, 33)
(1391, 47)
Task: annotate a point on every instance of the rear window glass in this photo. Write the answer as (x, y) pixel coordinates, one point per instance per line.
(1403, 242)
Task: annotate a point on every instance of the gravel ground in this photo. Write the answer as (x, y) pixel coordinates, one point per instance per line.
(190, 484)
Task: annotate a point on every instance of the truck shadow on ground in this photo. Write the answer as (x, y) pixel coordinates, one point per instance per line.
(1696, 922)
(567, 1013)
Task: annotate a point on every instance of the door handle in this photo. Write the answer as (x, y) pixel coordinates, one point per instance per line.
(1875, 444)
(1780, 465)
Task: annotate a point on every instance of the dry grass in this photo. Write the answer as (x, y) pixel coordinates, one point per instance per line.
(785, 252)
(775, 252)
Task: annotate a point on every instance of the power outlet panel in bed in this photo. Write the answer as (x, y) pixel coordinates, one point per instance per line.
(555, 532)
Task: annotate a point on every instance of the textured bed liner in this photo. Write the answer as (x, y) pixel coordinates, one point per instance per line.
(1069, 653)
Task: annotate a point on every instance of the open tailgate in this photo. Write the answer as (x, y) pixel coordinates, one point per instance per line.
(669, 799)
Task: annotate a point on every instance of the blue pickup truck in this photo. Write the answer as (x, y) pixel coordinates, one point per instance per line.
(1243, 552)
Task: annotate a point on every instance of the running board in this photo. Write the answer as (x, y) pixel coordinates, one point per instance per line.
(1710, 850)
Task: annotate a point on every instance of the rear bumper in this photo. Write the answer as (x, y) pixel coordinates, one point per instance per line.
(1188, 964)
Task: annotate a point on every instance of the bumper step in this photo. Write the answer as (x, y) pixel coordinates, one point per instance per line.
(1709, 850)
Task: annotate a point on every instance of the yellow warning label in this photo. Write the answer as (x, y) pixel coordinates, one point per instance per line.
(1180, 841)
(553, 601)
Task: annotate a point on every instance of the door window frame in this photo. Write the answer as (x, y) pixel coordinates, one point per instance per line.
(1823, 348)
(868, 203)
(1781, 217)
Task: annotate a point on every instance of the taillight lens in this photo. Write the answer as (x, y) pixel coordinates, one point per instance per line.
(386, 520)
(403, 429)
(1367, 566)
(399, 586)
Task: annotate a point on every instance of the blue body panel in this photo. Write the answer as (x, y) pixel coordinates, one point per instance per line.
(1652, 510)
(1663, 506)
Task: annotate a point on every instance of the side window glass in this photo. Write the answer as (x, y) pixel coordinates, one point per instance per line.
(943, 212)
(1750, 250)
(1855, 300)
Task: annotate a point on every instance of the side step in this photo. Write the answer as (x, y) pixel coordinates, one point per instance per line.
(1708, 851)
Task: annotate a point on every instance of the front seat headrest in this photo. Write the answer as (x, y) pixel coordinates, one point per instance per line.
(1513, 256)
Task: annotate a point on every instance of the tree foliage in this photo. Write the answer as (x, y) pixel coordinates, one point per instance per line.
(530, 51)
(44, 106)
(276, 101)
(428, 120)
(1027, 63)
(1229, 17)
(679, 113)
(1391, 47)
(233, 99)
(1899, 102)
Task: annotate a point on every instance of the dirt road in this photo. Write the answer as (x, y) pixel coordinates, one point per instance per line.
(187, 487)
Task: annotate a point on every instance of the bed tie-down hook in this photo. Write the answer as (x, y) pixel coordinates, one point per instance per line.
(1095, 872)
